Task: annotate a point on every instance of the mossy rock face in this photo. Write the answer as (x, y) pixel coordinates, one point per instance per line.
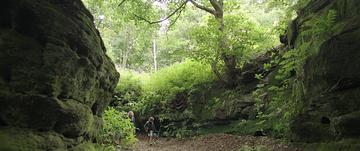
(331, 79)
(55, 78)
(16, 139)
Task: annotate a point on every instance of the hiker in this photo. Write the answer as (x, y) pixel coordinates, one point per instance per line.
(132, 117)
(150, 128)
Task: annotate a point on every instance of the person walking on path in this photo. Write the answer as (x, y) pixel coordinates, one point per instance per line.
(150, 128)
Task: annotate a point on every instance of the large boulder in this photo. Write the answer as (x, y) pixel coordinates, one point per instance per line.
(331, 77)
(55, 78)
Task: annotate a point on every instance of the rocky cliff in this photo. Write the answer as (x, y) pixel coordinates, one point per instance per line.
(329, 31)
(55, 78)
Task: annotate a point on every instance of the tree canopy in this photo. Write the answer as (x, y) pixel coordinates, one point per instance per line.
(223, 33)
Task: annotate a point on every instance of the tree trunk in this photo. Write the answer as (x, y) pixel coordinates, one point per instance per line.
(154, 55)
(124, 60)
(230, 60)
(231, 74)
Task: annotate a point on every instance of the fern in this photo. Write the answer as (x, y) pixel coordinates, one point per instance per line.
(322, 26)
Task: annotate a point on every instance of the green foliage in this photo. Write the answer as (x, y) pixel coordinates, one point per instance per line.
(129, 81)
(163, 87)
(242, 35)
(281, 106)
(128, 91)
(285, 95)
(320, 27)
(153, 95)
(117, 129)
(288, 9)
(180, 76)
(128, 41)
(288, 5)
(173, 44)
(130, 44)
(251, 27)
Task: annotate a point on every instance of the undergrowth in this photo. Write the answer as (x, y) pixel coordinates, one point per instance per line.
(280, 100)
(117, 130)
(168, 94)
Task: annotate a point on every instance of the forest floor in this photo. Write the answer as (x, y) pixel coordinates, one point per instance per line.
(213, 142)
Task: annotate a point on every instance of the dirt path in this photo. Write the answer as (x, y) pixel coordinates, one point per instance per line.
(213, 142)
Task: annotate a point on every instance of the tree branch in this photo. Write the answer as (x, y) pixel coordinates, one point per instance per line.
(177, 17)
(215, 70)
(180, 8)
(122, 2)
(216, 4)
(209, 10)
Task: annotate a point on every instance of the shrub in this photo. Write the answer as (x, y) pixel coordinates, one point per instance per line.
(158, 94)
(175, 84)
(117, 129)
(178, 80)
(128, 91)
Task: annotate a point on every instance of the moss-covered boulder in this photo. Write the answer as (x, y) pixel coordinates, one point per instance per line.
(55, 78)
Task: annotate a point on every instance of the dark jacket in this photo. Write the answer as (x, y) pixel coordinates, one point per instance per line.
(149, 126)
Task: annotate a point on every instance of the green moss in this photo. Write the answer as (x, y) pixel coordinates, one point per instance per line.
(16, 139)
(23, 139)
(77, 118)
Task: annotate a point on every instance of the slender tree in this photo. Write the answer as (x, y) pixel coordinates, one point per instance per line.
(230, 61)
(216, 9)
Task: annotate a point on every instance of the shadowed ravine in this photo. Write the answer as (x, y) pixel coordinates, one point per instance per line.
(208, 75)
